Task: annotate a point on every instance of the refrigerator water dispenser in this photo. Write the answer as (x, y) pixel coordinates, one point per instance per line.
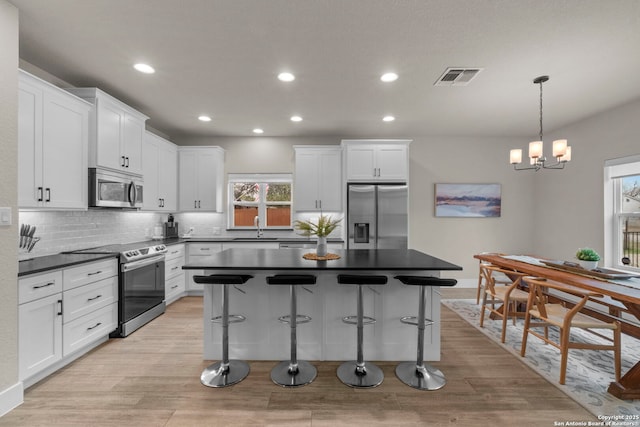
(361, 232)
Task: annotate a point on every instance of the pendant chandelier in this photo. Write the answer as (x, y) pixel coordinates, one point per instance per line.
(537, 161)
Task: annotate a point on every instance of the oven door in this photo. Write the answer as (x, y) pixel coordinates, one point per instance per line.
(141, 292)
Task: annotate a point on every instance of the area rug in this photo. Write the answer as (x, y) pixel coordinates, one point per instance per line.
(589, 372)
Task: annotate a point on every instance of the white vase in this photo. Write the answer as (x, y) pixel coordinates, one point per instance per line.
(588, 265)
(321, 248)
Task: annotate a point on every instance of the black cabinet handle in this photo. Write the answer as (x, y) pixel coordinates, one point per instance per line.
(39, 194)
(60, 311)
(94, 326)
(127, 162)
(123, 162)
(48, 191)
(45, 285)
(94, 298)
(93, 274)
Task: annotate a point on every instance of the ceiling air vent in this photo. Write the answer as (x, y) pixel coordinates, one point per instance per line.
(457, 76)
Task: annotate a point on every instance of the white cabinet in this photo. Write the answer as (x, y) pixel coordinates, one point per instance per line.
(160, 173)
(174, 276)
(62, 313)
(377, 160)
(318, 178)
(53, 132)
(115, 132)
(39, 322)
(200, 179)
(198, 253)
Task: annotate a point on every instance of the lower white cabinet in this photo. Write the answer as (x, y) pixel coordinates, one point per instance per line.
(199, 253)
(174, 275)
(63, 312)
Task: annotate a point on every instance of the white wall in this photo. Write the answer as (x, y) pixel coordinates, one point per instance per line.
(10, 388)
(569, 210)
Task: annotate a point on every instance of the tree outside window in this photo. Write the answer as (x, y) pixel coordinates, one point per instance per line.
(264, 196)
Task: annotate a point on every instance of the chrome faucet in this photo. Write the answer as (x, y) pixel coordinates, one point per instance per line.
(256, 222)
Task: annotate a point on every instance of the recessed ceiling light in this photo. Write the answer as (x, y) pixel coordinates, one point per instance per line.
(389, 77)
(144, 68)
(286, 77)
(296, 118)
(258, 130)
(388, 118)
(204, 118)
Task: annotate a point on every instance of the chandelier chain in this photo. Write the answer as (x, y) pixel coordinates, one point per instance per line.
(540, 111)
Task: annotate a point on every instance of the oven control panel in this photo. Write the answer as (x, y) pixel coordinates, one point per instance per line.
(141, 253)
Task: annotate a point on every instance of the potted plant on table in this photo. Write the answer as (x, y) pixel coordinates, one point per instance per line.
(588, 258)
(322, 228)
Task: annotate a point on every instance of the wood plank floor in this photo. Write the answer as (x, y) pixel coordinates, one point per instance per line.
(152, 378)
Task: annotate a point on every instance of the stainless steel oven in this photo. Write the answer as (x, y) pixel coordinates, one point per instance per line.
(141, 293)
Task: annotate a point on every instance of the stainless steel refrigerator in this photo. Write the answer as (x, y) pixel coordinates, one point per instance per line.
(377, 216)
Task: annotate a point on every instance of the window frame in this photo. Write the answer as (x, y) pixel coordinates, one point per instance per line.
(614, 171)
(262, 179)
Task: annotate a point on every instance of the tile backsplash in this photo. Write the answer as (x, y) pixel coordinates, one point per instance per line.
(61, 231)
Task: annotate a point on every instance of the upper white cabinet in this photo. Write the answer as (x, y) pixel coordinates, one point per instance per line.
(160, 172)
(318, 178)
(52, 146)
(377, 160)
(200, 179)
(116, 132)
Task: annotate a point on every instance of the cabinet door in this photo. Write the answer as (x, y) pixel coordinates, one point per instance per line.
(207, 184)
(391, 161)
(361, 163)
(39, 334)
(64, 152)
(29, 145)
(150, 171)
(187, 181)
(168, 176)
(330, 181)
(306, 194)
(133, 132)
(110, 123)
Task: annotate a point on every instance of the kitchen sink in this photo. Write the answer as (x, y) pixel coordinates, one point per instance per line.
(254, 239)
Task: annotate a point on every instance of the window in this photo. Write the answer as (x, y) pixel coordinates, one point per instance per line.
(622, 213)
(266, 196)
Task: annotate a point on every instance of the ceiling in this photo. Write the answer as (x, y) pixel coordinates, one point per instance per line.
(221, 58)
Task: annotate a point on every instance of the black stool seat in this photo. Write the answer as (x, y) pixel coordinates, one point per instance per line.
(293, 372)
(223, 279)
(226, 372)
(359, 279)
(426, 281)
(292, 279)
(418, 374)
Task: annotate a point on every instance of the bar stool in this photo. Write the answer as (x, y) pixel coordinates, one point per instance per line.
(421, 375)
(358, 373)
(293, 372)
(226, 372)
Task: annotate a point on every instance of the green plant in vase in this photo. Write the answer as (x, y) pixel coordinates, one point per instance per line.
(322, 228)
(588, 258)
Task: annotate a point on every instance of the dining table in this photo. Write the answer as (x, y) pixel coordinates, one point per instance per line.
(621, 293)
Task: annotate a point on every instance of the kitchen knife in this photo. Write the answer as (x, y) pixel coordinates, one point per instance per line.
(22, 230)
(32, 231)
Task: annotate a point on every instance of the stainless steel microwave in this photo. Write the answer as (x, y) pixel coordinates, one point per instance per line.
(114, 190)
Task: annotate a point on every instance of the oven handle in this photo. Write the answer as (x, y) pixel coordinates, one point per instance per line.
(142, 263)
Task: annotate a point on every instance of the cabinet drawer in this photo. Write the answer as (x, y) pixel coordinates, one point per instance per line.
(173, 268)
(174, 251)
(38, 286)
(89, 328)
(89, 273)
(173, 288)
(85, 299)
(204, 248)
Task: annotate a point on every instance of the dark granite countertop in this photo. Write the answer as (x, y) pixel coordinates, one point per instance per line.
(54, 262)
(350, 260)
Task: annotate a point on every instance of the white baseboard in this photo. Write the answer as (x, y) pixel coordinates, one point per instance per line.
(11, 398)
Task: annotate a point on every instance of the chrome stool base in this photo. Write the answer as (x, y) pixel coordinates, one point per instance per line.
(218, 376)
(348, 373)
(282, 375)
(424, 377)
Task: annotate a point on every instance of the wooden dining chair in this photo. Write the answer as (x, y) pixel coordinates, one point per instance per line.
(542, 313)
(481, 279)
(507, 295)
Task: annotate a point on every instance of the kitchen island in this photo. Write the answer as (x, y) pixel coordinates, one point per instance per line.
(326, 337)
